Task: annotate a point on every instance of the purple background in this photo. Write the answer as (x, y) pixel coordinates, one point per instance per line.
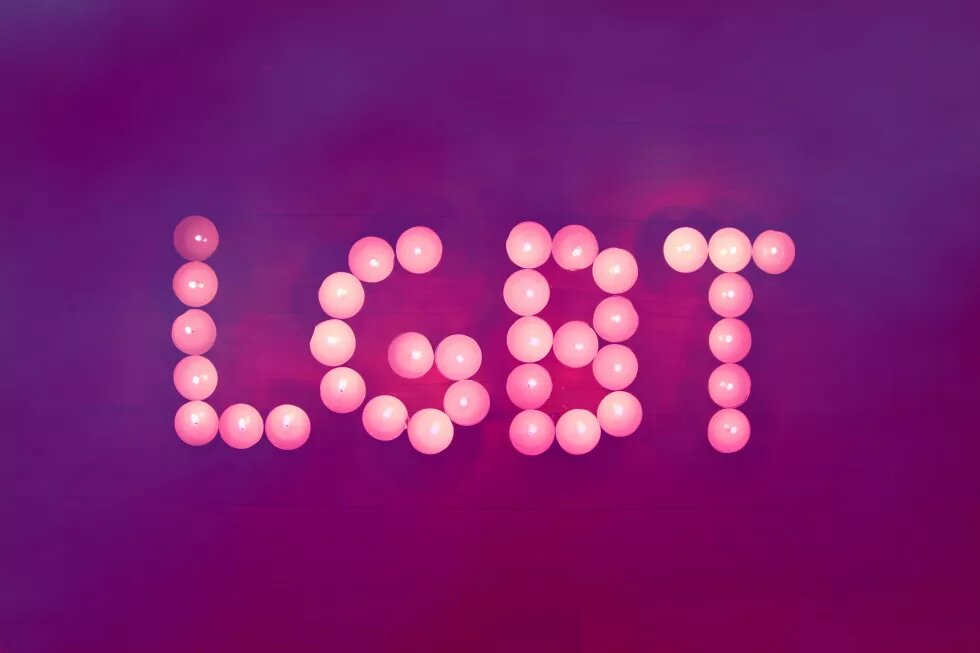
(849, 523)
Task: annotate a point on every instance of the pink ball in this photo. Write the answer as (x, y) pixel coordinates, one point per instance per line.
(194, 332)
(195, 377)
(614, 270)
(730, 340)
(333, 343)
(730, 295)
(576, 344)
(620, 414)
(729, 249)
(195, 284)
(685, 249)
(341, 295)
(384, 417)
(532, 432)
(574, 247)
(410, 355)
(466, 402)
(458, 357)
(529, 339)
(287, 427)
(529, 245)
(729, 385)
(526, 292)
(196, 423)
(430, 431)
(615, 319)
(728, 430)
(615, 367)
(195, 238)
(529, 386)
(342, 390)
(371, 259)
(240, 426)
(774, 252)
(418, 250)
(577, 431)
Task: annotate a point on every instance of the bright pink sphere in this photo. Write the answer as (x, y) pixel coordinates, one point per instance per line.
(410, 355)
(419, 250)
(685, 249)
(529, 339)
(466, 402)
(195, 377)
(615, 367)
(577, 431)
(287, 427)
(195, 284)
(240, 426)
(730, 295)
(773, 252)
(576, 344)
(730, 340)
(430, 431)
(728, 430)
(196, 423)
(529, 386)
(333, 343)
(615, 319)
(729, 385)
(384, 417)
(458, 357)
(371, 259)
(532, 432)
(195, 238)
(729, 249)
(620, 414)
(529, 245)
(342, 390)
(615, 270)
(193, 332)
(526, 292)
(341, 295)
(574, 247)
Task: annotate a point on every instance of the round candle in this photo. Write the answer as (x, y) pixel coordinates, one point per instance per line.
(620, 413)
(195, 238)
(576, 344)
(526, 292)
(418, 250)
(371, 259)
(466, 402)
(333, 343)
(240, 426)
(384, 417)
(287, 427)
(615, 270)
(774, 252)
(615, 367)
(430, 431)
(195, 284)
(532, 432)
(193, 332)
(342, 390)
(729, 385)
(341, 295)
(529, 339)
(729, 249)
(728, 430)
(458, 357)
(574, 247)
(685, 249)
(615, 319)
(730, 295)
(730, 340)
(529, 245)
(529, 386)
(410, 355)
(196, 423)
(195, 377)
(577, 431)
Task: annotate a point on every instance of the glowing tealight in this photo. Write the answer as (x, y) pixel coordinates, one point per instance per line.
(195, 377)
(574, 247)
(466, 402)
(458, 357)
(419, 250)
(728, 430)
(532, 432)
(341, 295)
(193, 332)
(384, 417)
(730, 295)
(685, 249)
(620, 414)
(529, 339)
(333, 343)
(730, 340)
(576, 344)
(774, 252)
(615, 319)
(615, 270)
(615, 367)
(577, 431)
(410, 355)
(240, 426)
(729, 249)
(195, 284)
(196, 423)
(529, 245)
(729, 385)
(430, 431)
(287, 427)
(195, 238)
(371, 259)
(526, 292)
(529, 386)
(342, 390)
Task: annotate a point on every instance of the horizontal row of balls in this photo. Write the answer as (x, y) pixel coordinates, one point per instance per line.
(729, 249)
